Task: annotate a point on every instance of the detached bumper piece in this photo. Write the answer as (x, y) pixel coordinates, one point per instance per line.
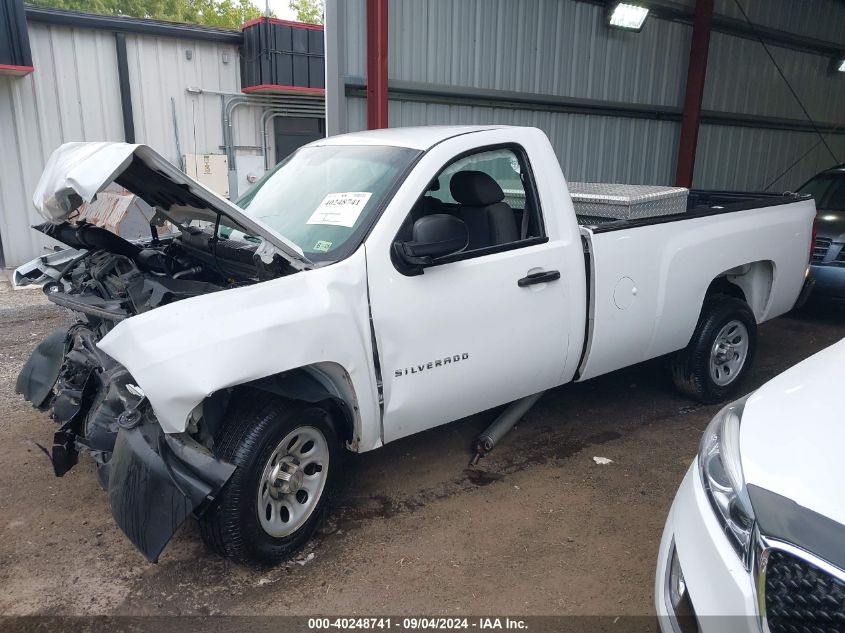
(156, 481)
(41, 371)
(35, 383)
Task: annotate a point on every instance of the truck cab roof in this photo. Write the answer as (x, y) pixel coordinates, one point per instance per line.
(421, 138)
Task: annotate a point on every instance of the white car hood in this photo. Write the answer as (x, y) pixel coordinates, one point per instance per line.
(792, 437)
(77, 172)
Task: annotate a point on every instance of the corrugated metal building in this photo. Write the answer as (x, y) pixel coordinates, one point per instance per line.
(185, 93)
(611, 101)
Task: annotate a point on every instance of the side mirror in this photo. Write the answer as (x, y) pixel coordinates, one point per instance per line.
(433, 236)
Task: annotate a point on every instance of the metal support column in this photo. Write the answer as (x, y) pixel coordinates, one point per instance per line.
(335, 34)
(696, 74)
(125, 88)
(376, 64)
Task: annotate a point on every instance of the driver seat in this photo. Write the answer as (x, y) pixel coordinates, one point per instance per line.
(489, 221)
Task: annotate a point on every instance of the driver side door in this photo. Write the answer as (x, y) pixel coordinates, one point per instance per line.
(479, 328)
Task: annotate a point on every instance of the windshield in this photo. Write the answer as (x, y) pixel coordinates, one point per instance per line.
(324, 198)
(828, 191)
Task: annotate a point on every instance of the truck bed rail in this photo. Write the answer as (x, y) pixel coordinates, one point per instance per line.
(702, 203)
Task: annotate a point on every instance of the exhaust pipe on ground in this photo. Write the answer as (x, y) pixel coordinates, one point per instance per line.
(502, 424)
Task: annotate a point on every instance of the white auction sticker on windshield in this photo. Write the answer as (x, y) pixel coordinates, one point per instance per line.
(340, 209)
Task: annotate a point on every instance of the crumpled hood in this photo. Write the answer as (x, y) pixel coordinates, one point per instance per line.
(77, 172)
(792, 437)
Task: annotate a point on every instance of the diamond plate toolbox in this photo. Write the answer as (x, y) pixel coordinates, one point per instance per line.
(627, 202)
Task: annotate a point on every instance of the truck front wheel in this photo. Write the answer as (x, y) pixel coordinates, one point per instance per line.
(720, 352)
(287, 456)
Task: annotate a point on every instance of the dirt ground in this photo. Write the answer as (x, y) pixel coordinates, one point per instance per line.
(538, 528)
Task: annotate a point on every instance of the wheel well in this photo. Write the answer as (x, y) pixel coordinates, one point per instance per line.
(304, 384)
(750, 282)
(721, 286)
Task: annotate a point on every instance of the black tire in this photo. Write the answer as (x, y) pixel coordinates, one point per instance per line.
(256, 424)
(691, 366)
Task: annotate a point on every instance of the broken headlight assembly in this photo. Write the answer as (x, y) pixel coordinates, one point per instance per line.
(721, 475)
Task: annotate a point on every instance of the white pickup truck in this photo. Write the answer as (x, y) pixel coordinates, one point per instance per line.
(371, 286)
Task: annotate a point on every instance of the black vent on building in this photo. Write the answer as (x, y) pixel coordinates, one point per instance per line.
(15, 56)
(281, 56)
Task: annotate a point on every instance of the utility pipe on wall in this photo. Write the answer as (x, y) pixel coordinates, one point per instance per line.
(266, 117)
(125, 88)
(229, 102)
(376, 64)
(696, 74)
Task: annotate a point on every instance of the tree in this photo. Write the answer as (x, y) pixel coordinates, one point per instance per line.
(224, 13)
(310, 11)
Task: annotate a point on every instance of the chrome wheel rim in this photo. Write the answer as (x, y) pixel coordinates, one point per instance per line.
(292, 481)
(729, 352)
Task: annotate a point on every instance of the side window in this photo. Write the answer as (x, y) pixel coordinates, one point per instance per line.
(492, 192)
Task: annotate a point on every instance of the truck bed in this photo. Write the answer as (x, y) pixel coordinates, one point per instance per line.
(647, 277)
(700, 203)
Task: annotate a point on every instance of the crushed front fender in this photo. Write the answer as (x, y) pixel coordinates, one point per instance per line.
(156, 481)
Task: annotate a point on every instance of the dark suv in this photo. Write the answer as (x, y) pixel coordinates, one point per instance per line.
(827, 266)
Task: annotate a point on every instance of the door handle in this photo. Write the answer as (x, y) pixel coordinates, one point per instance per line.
(544, 276)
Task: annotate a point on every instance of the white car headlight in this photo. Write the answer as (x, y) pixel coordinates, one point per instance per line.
(721, 474)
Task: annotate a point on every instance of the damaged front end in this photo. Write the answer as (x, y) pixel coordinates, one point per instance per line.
(157, 481)
(84, 389)
(154, 480)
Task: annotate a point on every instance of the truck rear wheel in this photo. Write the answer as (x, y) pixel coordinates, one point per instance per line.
(720, 352)
(287, 456)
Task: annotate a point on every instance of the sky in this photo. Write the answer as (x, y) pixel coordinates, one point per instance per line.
(279, 7)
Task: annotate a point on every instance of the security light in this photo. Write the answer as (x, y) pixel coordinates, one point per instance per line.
(841, 67)
(627, 16)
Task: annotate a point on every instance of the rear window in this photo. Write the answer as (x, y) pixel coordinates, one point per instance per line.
(501, 164)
